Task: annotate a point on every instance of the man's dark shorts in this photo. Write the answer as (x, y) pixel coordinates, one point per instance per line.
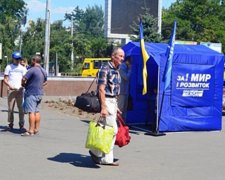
(32, 103)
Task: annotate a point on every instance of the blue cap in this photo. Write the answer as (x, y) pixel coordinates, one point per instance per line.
(16, 55)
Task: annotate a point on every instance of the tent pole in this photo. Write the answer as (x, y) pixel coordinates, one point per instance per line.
(156, 132)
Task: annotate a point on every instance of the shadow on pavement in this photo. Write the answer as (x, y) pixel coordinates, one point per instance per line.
(85, 121)
(4, 110)
(134, 129)
(4, 128)
(78, 160)
(14, 131)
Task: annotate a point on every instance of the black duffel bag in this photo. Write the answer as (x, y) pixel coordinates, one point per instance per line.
(88, 102)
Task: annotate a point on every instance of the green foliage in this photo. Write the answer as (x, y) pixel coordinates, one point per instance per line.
(89, 22)
(15, 9)
(12, 12)
(33, 38)
(88, 39)
(60, 43)
(199, 20)
(150, 25)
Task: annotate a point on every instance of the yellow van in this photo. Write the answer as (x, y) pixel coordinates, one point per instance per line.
(92, 65)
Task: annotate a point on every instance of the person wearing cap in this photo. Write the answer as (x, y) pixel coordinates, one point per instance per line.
(125, 72)
(13, 75)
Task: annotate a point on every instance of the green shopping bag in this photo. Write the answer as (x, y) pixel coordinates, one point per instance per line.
(99, 137)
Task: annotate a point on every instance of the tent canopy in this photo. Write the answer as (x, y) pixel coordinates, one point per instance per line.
(193, 101)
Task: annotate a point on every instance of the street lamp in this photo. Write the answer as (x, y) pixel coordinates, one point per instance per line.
(47, 36)
(72, 52)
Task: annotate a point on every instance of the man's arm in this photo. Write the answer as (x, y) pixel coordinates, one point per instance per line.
(45, 83)
(24, 81)
(101, 92)
(6, 81)
(6, 77)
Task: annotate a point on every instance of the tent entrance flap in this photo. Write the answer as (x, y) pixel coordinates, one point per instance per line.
(144, 106)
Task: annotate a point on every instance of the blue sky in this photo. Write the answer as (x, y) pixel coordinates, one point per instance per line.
(60, 7)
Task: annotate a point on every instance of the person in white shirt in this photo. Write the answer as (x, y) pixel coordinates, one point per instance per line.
(13, 75)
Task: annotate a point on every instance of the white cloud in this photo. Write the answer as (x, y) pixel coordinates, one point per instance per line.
(36, 9)
(35, 5)
(62, 10)
(38, 6)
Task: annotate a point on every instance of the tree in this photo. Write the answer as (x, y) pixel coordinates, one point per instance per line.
(12, 13)
(89, 22)
(15, 9)
(199, 20)
(33, 38)
(150, 25)
(88, 39)
(60, 45)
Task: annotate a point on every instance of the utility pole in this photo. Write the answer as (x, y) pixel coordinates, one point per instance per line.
(22, 23)
(56, 64)
(20, 41)
(47, 36)
(72, 52)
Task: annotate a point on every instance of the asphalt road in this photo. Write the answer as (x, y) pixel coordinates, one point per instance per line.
(58, 153)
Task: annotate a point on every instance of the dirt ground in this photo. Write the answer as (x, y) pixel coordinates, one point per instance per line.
(66, 106)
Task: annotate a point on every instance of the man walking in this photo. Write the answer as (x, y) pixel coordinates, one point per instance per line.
(13, 75)
(33, 81)
(108, 85)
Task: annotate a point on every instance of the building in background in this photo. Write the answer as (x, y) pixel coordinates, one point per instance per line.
(186, 42)
(120, 15)
(214, 46)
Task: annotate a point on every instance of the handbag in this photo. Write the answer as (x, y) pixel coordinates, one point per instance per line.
(88, 101)
(100, 136)
(122, 136)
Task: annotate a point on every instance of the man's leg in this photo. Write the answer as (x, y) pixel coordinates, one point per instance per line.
(11, 104)
(31, 122)
(37, 122)
(19, 101)
(37, 113)
(111, 121)
(29, 107)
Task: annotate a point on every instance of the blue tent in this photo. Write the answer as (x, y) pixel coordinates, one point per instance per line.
(193, 102)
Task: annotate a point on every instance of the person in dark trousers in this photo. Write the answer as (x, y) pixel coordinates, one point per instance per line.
(33, 81)
(108, 86)
(13, 75)
(125, 72)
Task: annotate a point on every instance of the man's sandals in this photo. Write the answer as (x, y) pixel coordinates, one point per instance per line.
(27, 133)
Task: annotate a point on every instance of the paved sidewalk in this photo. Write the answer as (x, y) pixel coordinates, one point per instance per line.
(58, 153)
